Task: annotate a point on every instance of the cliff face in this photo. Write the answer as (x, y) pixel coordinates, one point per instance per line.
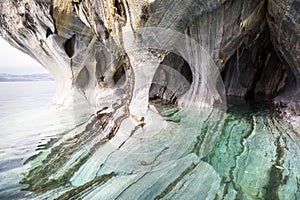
(283, 20)
(83, 43)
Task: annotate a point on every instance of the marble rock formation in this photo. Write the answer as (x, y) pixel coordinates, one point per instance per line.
(126, 58)
(83, 45)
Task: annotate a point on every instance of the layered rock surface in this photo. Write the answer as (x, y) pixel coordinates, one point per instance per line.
(125, 58)
(83, 43)
(246, 153)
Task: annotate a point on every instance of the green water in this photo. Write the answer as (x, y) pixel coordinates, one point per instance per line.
(247, 152)
(257, 155)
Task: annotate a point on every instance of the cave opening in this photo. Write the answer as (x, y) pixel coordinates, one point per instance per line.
(120, 9)
(69, 46)
(120, 75)
(117, 76)
(49, 32)
(255, 71)
(100, 65)
(172, 79)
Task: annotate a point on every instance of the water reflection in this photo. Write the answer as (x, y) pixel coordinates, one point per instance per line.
(244, 153)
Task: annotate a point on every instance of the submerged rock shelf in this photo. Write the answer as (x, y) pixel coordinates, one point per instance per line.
(244, 153)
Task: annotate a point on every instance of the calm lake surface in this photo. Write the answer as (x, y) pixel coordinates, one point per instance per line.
(246, 152)
(25, 123)
(22, 105)
(18, 97)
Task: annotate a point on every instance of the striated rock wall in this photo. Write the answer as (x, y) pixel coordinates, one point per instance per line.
(84, 43)
(283, 18)
(126, 58)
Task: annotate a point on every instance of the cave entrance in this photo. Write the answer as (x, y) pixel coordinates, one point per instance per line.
(255, 71)
(119, 75)
(113, 78)
(172, 79)
(100, 65)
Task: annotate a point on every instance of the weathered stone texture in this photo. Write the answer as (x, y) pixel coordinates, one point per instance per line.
(83, 39)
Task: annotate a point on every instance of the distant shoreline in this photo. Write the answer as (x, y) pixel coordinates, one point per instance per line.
(6, 77)
(15, 81)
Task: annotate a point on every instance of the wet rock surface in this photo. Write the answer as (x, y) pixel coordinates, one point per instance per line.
(121, 56)
(223, 157)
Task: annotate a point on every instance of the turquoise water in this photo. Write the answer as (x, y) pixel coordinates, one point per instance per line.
(257, 154)
(247, 152)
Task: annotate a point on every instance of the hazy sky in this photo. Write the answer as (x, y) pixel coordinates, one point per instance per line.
(16, 62)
